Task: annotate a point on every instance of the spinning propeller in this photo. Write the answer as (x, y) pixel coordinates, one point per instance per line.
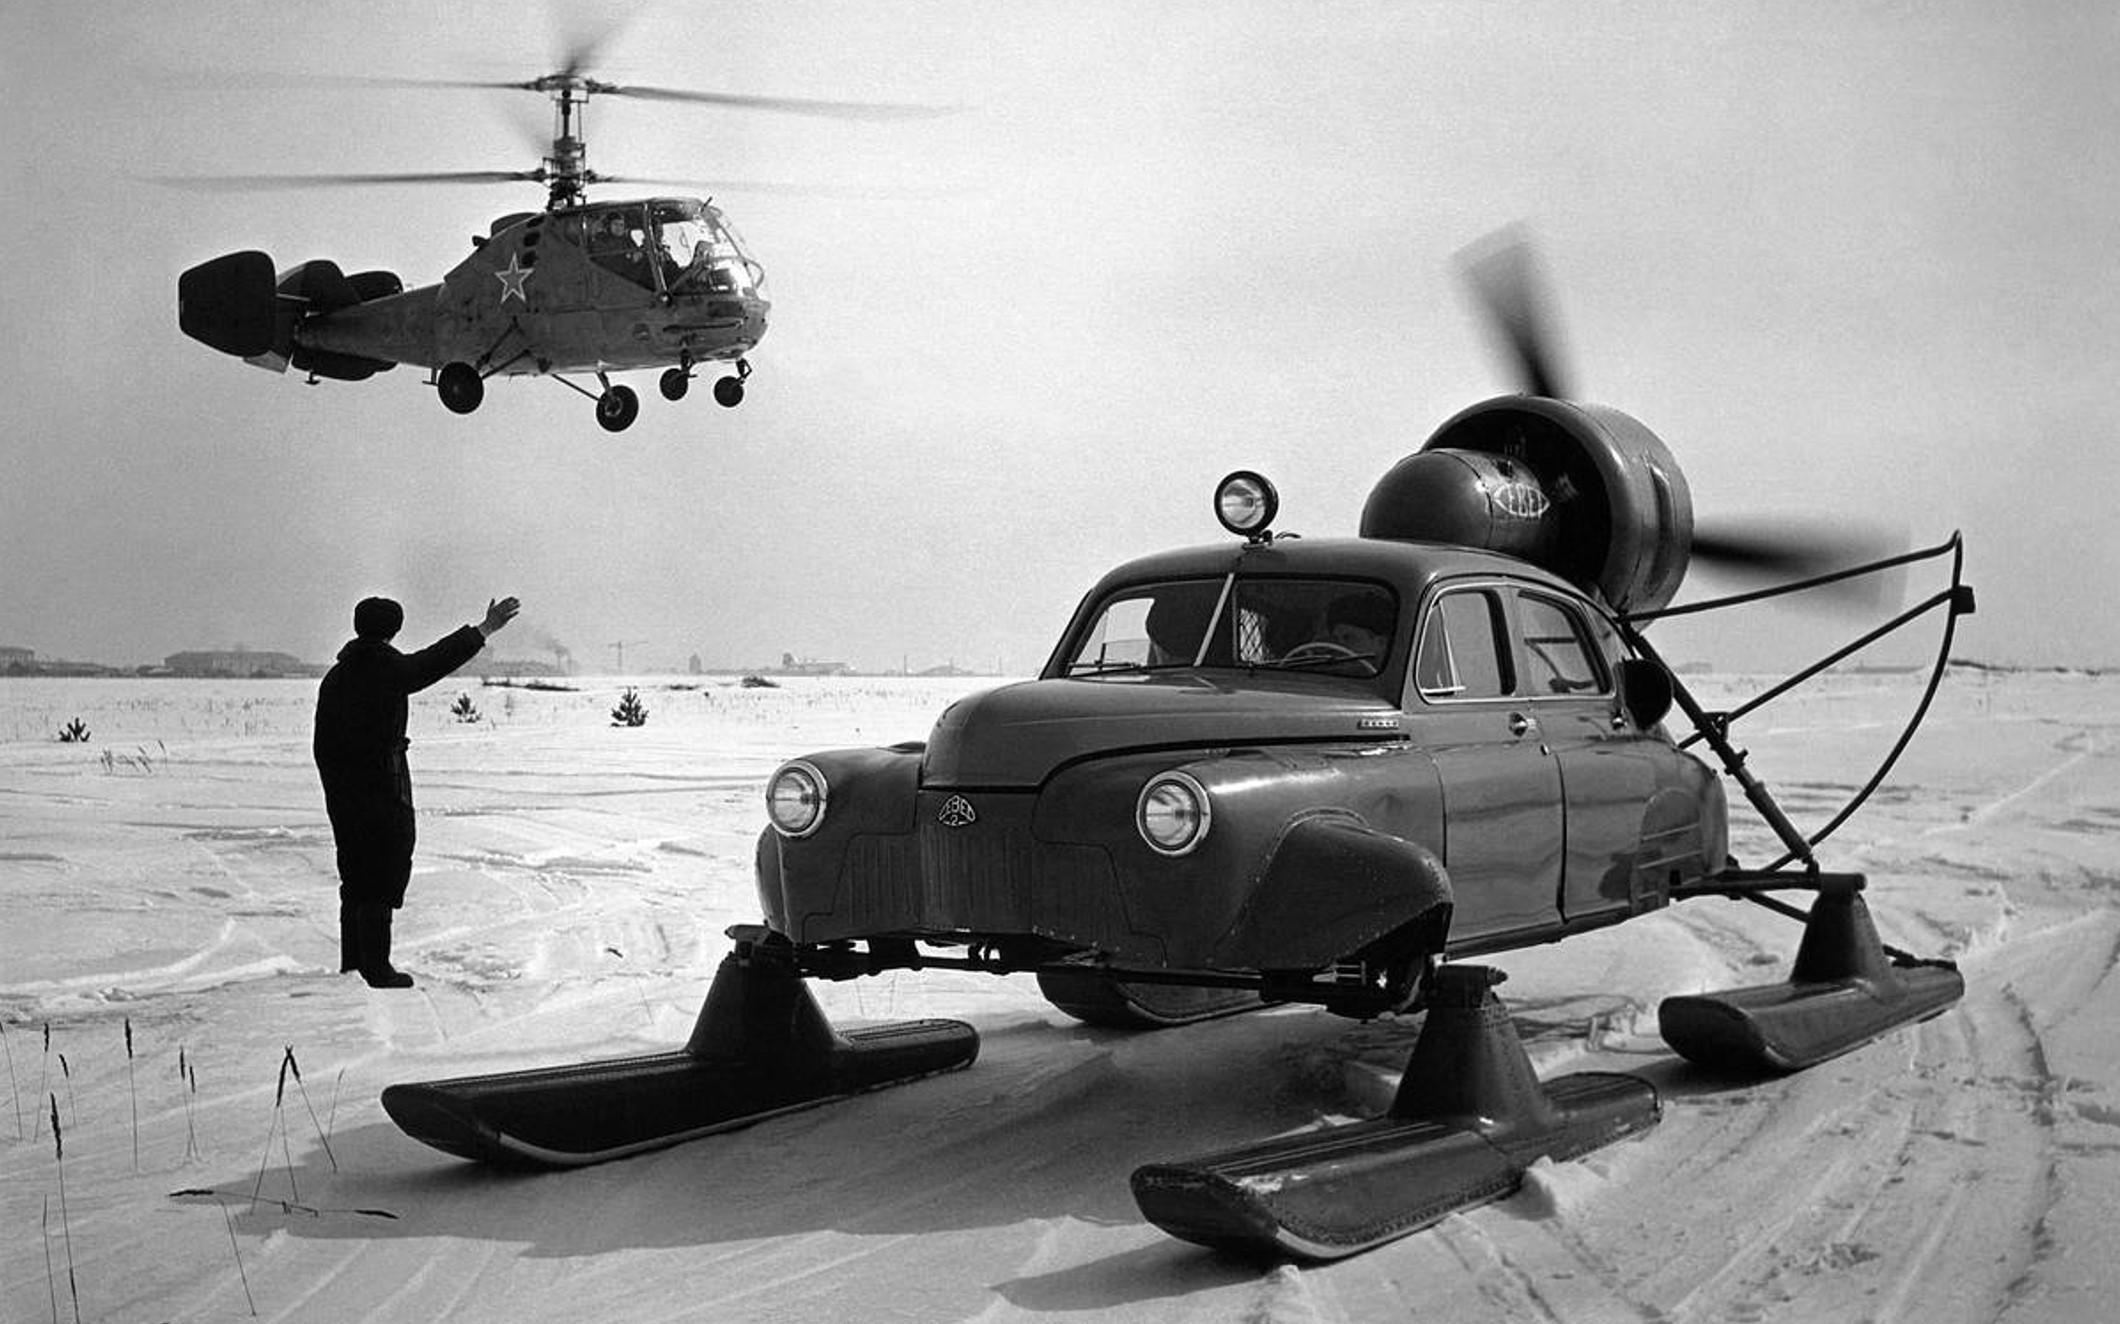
(1504, 272)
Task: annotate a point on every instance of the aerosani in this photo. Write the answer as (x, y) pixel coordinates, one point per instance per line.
(1315, 770)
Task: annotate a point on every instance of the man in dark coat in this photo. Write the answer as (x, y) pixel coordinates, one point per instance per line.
(360, 754)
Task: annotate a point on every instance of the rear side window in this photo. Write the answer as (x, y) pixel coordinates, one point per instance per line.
(1460, 654)
(1558, 658)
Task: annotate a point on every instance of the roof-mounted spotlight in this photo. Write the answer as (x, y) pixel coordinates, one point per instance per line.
(1246, 503)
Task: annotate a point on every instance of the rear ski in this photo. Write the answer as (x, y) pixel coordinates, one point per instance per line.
(760, 1048)
(1469, 1119)
(1844, 991)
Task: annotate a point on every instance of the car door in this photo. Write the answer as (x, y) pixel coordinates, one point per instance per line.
(1502, 814)
(1606, 773)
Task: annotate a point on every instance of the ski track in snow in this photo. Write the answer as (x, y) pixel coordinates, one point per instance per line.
(569, 903)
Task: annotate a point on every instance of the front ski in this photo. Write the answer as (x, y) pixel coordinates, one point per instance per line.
(1470, 1117)
(761, 1048)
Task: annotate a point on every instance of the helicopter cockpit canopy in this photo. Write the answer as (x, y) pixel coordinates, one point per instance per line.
(700, 250)
(678, 245)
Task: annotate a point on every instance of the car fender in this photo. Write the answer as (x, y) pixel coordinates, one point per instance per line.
(1330, 886)
(870, 793)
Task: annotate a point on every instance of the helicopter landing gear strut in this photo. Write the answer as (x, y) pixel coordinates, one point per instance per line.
(728, 392)
(460, 387)
(618, 406)
(678, 380)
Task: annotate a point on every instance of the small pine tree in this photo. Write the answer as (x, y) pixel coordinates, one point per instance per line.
(73, 733)
(630, 711)
(464, 710)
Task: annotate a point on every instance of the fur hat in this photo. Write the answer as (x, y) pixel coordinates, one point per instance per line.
(377, 618)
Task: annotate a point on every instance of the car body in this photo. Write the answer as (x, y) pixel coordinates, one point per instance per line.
(1251, 805)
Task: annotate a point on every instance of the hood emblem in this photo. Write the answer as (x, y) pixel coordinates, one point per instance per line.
(957, 812)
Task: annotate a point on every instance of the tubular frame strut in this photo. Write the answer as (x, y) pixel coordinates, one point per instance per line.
(1713, 728)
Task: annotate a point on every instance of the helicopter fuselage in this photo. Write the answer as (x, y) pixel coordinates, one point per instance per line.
(610, 286)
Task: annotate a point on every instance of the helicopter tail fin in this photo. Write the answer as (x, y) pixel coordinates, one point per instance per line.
(231, 304)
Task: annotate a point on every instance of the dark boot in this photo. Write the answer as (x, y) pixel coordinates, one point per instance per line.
(374, 923)
(349, 938)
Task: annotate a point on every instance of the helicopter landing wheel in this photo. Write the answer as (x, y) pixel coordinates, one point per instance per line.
(617, 408)
(728, 392)
(460, 386)
(675, 382)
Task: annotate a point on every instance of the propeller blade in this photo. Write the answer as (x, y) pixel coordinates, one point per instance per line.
(241, 183)
(1798, 549)
(846, 110)
(1504, 272)
(1791, 550)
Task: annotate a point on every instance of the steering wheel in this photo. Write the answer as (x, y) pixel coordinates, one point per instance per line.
(1318, 650)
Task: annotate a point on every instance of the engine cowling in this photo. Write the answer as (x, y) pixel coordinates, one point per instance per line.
(1582, 490)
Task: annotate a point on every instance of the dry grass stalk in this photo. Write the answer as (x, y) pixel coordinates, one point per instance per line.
(322, 1138)
(132, 1090)
(44, 1068)
(230, 1222)
(188, 1076)
(14, 1092)
(66, 1225)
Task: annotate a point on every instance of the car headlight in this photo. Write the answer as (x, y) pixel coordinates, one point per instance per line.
(1173, 813)
(795, 799)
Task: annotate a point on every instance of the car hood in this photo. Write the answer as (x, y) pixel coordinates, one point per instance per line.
(1018, 735)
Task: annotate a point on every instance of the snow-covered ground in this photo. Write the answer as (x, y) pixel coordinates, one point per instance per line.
(172, 879)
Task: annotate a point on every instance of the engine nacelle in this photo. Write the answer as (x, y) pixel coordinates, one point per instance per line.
(1582, 490)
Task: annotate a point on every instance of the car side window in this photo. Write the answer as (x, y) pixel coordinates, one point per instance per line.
(1557, 656)
(1460, 655)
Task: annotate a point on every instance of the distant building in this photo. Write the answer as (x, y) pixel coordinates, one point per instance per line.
(485, 664)
(240, 662)
(25, 662)
(791, 665)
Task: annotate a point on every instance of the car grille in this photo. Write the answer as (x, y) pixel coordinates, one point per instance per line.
(989, 877)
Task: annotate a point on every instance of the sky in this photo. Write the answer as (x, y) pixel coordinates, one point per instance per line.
(1850, 260)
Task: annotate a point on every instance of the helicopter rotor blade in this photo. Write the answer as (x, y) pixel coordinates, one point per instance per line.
(777, 188)
(1504, 272)
(846, 110)
(583, 36)
(244, 183)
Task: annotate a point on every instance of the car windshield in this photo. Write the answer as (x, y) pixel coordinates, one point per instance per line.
(1342, 627)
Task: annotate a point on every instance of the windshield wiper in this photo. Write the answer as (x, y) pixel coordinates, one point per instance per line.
(1317, 660)
(1105, 668)
(1126, 668)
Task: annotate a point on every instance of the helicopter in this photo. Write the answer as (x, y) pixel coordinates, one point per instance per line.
(1337, 771)
(578, 288)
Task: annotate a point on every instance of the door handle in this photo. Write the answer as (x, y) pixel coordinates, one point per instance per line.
(1520, 725)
